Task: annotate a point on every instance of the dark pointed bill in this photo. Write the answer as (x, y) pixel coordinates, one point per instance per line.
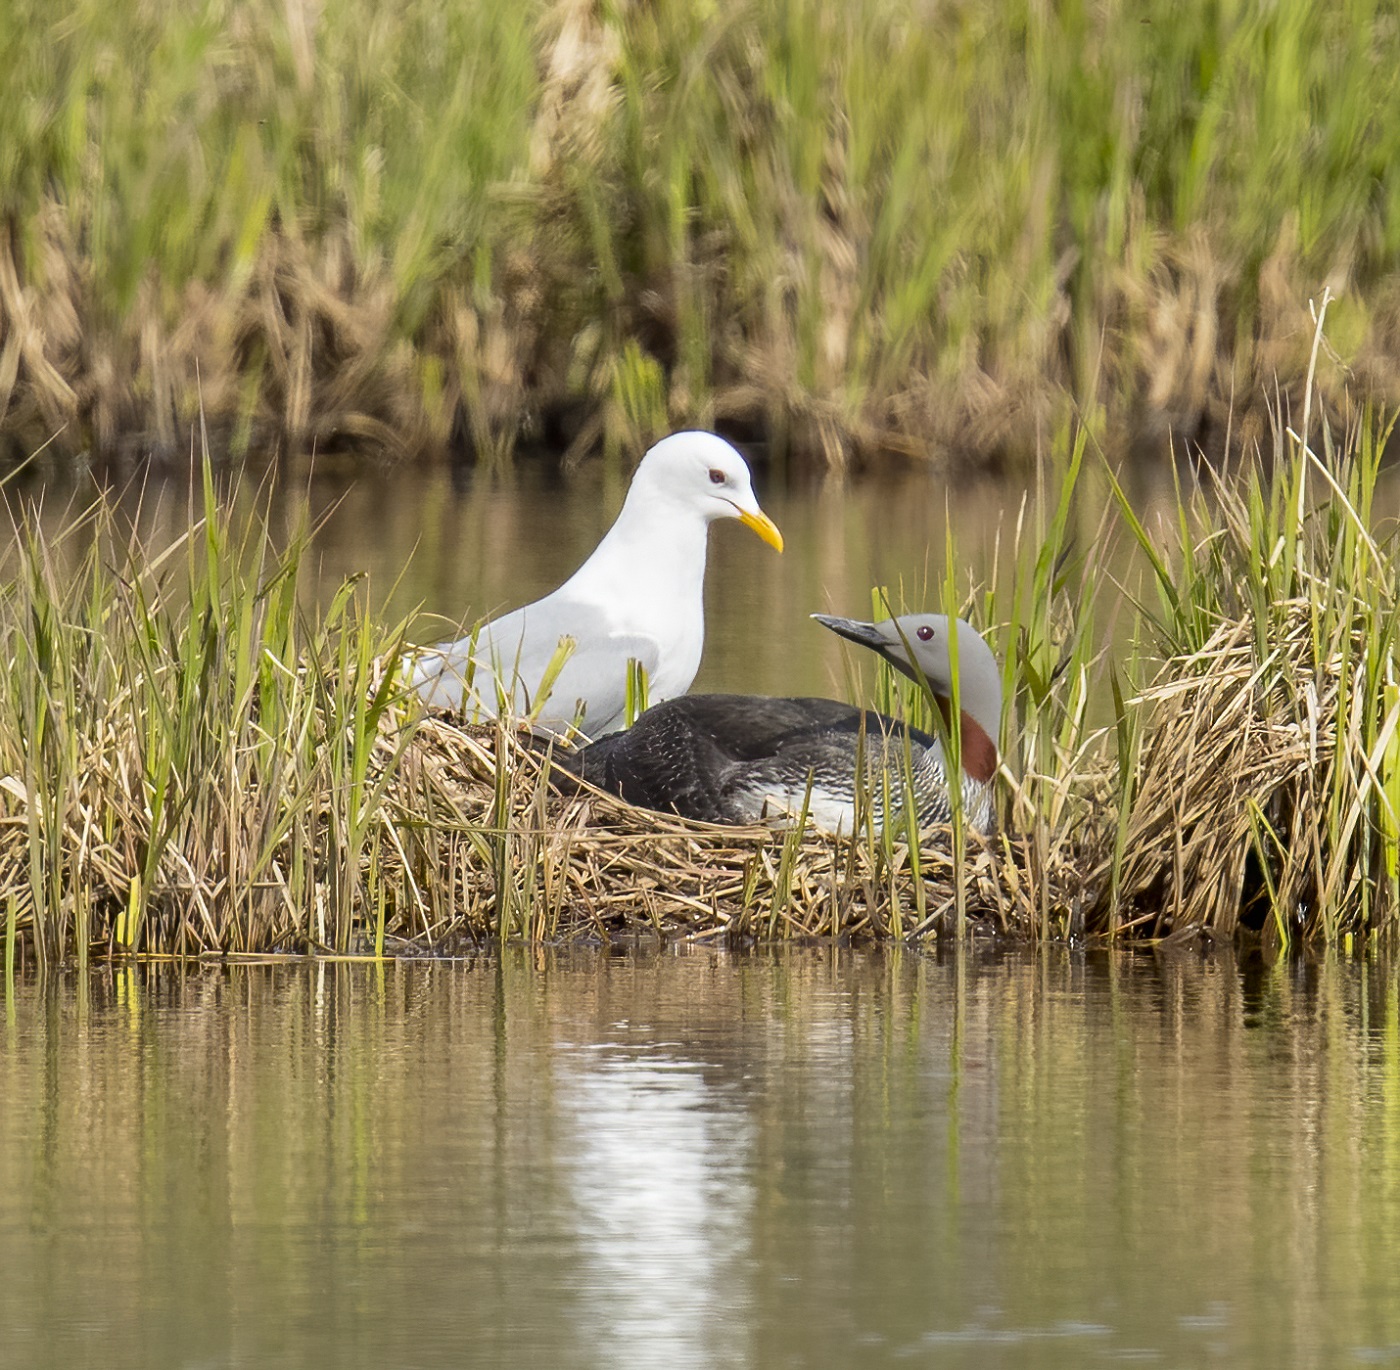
(867, 634)
(883, 638)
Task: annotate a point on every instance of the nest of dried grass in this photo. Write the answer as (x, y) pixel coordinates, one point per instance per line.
(521, 849)
(1238, 814)
(1240, 811)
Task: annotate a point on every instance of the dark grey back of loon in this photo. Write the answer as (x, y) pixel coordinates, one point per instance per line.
(741, 758)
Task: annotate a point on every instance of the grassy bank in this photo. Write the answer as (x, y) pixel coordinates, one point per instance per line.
(883, 225)
(189, 763)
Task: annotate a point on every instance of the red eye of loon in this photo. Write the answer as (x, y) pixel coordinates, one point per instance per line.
(716, 476)
(924, 633)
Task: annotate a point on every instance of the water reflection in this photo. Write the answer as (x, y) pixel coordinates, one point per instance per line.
(664, 1209)
(810, 1158)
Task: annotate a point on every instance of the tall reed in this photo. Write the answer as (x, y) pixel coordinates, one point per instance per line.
(1209, 744)
(191, 762)
(1265, 785)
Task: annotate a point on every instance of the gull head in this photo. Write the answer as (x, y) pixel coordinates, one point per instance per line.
(919, 646)
(702, 474)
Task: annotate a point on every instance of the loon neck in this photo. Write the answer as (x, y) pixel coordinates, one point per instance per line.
(979, 752)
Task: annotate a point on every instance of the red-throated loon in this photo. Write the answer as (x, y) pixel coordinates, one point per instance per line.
(742, 758)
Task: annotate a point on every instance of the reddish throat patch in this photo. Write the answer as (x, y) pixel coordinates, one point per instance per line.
(979, 752)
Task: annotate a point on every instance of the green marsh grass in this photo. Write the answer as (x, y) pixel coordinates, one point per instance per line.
(1280, 636)
(862, 227)
(1209, 747)
(1206, 746)
(190, 761)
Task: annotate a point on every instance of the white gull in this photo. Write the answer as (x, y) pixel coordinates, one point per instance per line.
(638, 598)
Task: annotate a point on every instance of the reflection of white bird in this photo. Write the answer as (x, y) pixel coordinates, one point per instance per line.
(741, 758)
(639, 597)
(661, 1182)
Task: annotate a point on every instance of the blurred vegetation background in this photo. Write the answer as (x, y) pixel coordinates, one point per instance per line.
(924, 226)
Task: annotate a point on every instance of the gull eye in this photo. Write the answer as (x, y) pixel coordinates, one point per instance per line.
(716, 476)
(924, 633)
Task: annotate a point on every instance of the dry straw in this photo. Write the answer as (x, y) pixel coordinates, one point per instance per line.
(527, 859)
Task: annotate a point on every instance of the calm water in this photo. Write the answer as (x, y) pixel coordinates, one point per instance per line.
(694, 1158)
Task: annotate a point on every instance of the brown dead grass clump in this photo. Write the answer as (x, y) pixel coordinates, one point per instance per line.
(1240, 814)
(1237, 808)
(564, 864)
(463, 851)
(1248, 813)
(1227, 820)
